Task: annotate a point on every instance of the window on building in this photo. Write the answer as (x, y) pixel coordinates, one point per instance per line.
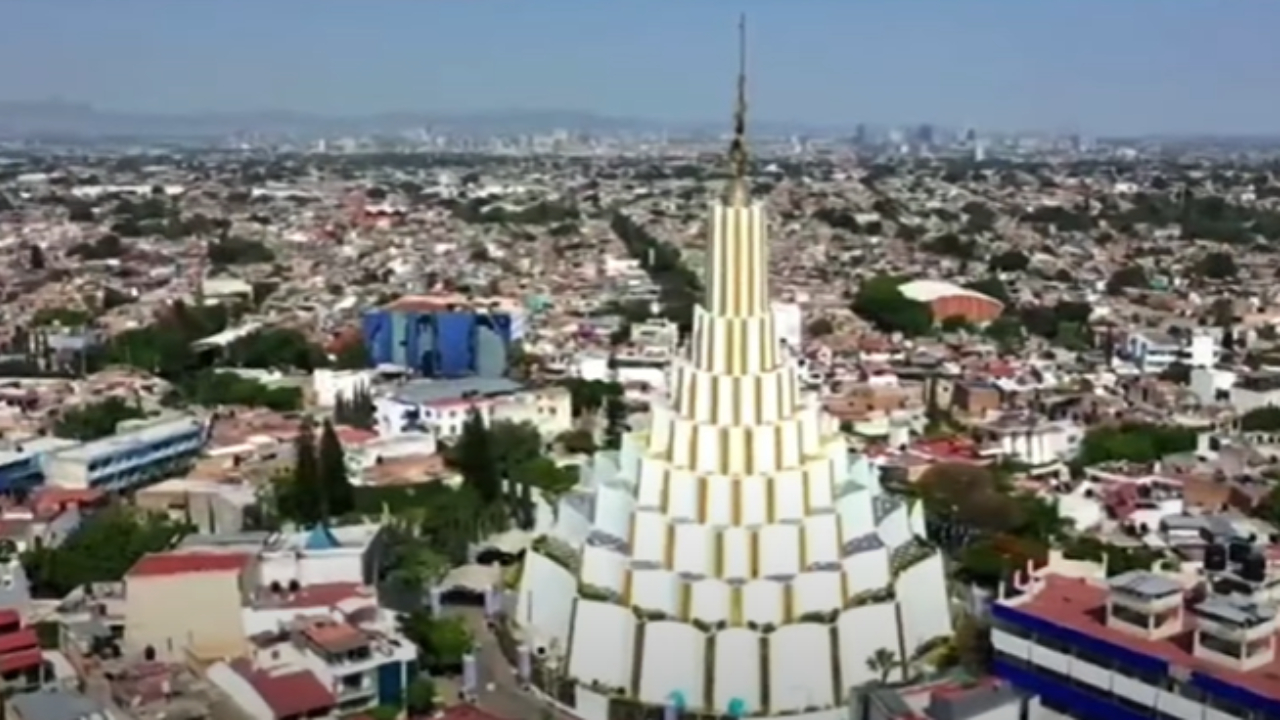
(1222, 646)
(1131, 617)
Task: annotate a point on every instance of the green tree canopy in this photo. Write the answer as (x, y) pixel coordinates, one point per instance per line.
(211, 388)
(544, 474)
(615, 418)
(475, 458)
(680, 288)
(300, 495)
(356, 409)
(1134, 442)
(441, 642)
(589, 396)
(951, 245)
(1128, 277)
(102, 549)
(335, 485)
(96, 420)
(105, 247)
(232, 250)
(990, 561)
(992, 287)
(1009, 261)
(353, 356)
(1217, 266)
(880, 301)
(1119, 560)
(420, 697)
(64, 316)
(1263, 419)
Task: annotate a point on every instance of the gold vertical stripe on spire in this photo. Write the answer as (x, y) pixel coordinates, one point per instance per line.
(703, 491)
(749, 292)
(669, 552)
(665, 499)
(755, 554)
(722, 462)
(804, 548)
(717, 565)
(761, 263)
(736, 242)
(735, 496)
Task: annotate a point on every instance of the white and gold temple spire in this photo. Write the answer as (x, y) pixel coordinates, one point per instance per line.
(737, 508)
(733, 333)
(739, 264)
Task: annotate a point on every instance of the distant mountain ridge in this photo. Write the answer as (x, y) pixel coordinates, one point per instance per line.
(58, 118)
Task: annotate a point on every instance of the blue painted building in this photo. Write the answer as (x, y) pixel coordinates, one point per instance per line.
(442, 341)
(22, 465)
(1119, 652)
(130, 459)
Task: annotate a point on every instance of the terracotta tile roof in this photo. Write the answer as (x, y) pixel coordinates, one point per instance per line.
(335, 636)
(48, 501)
(288, 694)
(21, 660)
(323, 595)
(469, 712)
(159, 564)
(24, 639)
(352, 436)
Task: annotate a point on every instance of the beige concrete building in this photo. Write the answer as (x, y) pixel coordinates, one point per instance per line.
(182, 604)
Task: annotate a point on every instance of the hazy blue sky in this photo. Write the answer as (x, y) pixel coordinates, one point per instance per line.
(1089, 65)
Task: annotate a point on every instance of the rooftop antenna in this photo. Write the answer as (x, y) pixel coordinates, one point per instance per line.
(738, 146)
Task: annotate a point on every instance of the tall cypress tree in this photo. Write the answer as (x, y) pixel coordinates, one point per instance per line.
(333, 473)
(307, 500)
(475, 459)
(615, 419)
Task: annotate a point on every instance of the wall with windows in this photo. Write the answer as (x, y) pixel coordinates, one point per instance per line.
(1086, 677)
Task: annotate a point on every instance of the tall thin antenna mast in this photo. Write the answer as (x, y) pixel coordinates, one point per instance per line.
(738, 146)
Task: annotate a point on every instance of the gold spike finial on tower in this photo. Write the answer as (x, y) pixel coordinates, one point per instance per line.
(738, 147)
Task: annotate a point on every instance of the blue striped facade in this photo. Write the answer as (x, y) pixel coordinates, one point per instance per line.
(22, 474)
(443, 344)
(1093, 702)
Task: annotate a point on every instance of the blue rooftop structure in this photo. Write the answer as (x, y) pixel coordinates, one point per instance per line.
(321, 538)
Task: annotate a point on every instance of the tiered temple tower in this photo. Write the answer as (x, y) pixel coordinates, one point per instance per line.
(733, 557)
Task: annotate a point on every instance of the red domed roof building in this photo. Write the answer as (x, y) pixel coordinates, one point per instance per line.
(949, 300)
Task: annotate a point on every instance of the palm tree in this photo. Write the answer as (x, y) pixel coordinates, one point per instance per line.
(883, 662)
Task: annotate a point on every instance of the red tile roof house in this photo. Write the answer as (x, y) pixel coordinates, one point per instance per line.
(21, 661)
(273, 693)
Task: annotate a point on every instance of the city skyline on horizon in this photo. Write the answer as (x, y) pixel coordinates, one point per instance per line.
(1089, 67)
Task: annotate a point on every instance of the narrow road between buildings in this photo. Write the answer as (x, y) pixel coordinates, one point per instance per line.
(507, 699)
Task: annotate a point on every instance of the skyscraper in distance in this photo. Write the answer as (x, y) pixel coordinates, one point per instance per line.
(733, 557)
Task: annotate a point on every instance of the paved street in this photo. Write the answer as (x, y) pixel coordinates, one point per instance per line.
(506, 699)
